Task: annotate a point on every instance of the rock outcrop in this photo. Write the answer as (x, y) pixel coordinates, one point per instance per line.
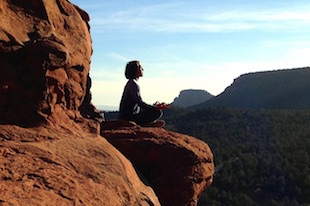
(191, 97)
(51, 148)
(178, 167)
(52, 166)
(45, 49)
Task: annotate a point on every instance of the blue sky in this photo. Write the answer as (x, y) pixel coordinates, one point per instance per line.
(197, 44)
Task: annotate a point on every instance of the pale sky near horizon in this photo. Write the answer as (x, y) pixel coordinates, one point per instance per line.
(197, 44)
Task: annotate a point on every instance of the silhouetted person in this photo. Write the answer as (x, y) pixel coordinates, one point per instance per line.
(132, 107)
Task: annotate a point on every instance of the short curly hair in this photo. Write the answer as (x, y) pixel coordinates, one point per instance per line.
(131, 69)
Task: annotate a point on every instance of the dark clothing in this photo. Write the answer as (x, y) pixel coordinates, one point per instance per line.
(134, 109)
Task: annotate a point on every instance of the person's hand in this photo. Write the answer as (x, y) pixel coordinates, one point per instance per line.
(161, 105)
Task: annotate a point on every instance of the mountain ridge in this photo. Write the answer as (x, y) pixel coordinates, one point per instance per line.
(277, 89)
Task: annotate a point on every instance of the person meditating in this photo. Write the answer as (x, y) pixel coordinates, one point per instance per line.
(132, 107)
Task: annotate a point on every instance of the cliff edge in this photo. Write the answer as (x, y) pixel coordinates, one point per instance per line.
(53, 141)
(177, 166)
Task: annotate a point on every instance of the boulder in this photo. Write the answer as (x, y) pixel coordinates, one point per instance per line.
(177, 166)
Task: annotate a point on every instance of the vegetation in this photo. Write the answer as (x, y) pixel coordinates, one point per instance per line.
(262, 156)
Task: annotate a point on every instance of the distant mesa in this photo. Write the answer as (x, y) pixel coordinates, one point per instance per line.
(191, 97)
(278, 89)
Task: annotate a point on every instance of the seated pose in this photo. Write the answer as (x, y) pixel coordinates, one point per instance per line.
(132, 108)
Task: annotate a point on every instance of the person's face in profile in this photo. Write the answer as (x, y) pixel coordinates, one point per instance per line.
(139, 71)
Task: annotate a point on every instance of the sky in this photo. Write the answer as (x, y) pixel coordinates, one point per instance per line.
(192, 44)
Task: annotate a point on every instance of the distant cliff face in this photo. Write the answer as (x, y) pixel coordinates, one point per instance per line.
(52, 148)
(191, 97)
(281, 89)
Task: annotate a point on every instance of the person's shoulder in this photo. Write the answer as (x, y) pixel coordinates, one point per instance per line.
(132, 83)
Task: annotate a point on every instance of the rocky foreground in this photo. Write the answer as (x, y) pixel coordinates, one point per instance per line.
(55, 148)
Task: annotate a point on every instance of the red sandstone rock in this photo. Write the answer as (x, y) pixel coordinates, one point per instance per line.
(52, 166)
(178, 167)
(45, 49)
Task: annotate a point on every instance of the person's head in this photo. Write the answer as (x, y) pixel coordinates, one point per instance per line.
(133, 70)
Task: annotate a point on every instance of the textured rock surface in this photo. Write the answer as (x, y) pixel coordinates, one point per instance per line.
(52, 166)
(178, 167)
(45, 52)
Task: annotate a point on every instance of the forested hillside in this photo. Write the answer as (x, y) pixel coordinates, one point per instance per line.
(280, 89)
(262, 157)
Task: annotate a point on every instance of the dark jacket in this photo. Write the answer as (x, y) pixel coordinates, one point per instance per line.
(131, 102)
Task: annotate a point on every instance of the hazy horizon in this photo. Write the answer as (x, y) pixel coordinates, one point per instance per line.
(192, 44)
